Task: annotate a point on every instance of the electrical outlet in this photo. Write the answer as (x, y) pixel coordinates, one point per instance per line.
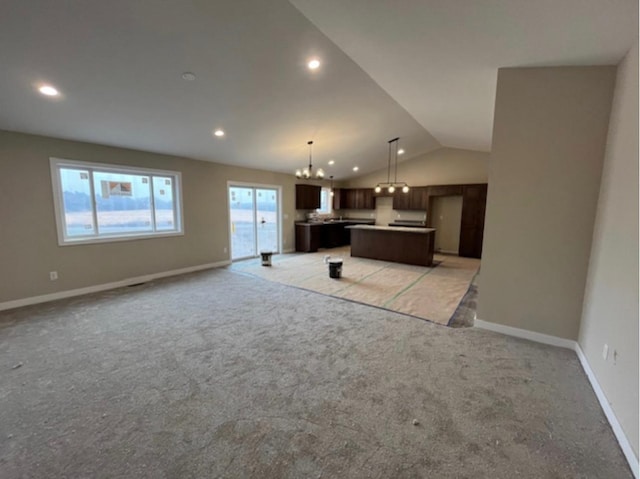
(53, 275)
(605, 352)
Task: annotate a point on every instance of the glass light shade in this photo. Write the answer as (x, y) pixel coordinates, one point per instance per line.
(377, 189)
(405, 189)
(392, 189)
(331, 192)
(298, 174)
(320, 173)
(305, 173)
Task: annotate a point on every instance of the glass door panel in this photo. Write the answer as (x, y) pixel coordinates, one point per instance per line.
(255, 227)
(267, 216)
(243, 223)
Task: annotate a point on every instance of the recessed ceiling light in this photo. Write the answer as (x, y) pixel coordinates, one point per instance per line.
(48, 90)
(188, 76)
(314, 64)
(400, 151)
(332, 162)
(355, 168)
(218, 132)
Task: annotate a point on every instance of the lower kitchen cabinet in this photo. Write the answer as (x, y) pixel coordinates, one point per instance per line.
(311, 236)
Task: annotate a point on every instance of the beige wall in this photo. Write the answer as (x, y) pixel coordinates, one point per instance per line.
(549, 136)
(610, 314)
(447, 220)
(29, 247)
(444, 166)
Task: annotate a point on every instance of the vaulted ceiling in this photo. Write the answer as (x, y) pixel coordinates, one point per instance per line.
(423, 70)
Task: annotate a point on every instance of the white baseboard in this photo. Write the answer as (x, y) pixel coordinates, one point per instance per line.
(627, 450)
(623, 441)
(17, 303)
(525, 334)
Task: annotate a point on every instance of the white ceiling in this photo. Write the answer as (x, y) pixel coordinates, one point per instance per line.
(439, 58)
(423, 70)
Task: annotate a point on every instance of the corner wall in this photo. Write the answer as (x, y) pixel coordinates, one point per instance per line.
(610, 314)
(549, 137)
(28, 240)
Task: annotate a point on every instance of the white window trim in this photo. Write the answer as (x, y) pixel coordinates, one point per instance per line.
(58, 204)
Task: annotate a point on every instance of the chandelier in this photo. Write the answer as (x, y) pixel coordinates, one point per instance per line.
(389, 185)
(307, 172)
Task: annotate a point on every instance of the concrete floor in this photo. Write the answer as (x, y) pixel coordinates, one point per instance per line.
(218, 374)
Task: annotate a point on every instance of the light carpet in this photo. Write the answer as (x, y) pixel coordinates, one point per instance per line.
(431, 293)
(223, 375)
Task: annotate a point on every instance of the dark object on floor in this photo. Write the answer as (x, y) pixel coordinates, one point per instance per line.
(266, 257)
(335, 268)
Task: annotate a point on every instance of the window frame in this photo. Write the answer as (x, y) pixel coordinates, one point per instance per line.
(58, 201)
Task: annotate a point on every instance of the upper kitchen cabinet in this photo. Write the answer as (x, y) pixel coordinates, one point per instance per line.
(353, 199)
(307, 197)
(416, 199)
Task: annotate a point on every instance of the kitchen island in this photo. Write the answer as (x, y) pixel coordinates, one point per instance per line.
(396, 244)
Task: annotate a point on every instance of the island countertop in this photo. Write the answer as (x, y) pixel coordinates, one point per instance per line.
(393, 228)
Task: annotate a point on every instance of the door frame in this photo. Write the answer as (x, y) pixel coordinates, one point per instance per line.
(245, 184)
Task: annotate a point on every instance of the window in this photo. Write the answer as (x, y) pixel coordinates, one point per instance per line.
(325, 201)
(97, 202)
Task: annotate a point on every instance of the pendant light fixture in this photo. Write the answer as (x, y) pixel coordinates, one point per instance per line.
(389, 185)
(307, 172)
(331, 187)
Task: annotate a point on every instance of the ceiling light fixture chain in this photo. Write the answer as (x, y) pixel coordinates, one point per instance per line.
(389, 185)
(307, 172)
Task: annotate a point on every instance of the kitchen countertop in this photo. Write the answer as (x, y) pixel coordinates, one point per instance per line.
(393, 228)
(345, 220)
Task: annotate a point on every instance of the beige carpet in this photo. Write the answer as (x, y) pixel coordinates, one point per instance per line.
(429, 293)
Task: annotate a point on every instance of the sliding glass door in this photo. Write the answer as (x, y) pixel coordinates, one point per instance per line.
(253, 212)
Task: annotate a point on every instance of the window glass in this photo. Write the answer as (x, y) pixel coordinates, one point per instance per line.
(76, 196)
(163, 202)
(123, 202)
(96, 202)
(325, 201)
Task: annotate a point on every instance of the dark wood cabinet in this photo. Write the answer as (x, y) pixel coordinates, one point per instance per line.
(474, 201)
(354, 199)
(308, 237)
(401, 201)
(332, 235)
(311, 236)
(307, 197)
(416, 199)
(338, 198)
(419, 198)
(445, 190)
(365, 199)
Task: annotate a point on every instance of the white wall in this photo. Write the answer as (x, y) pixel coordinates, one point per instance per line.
(610, 314)
(549, 137)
